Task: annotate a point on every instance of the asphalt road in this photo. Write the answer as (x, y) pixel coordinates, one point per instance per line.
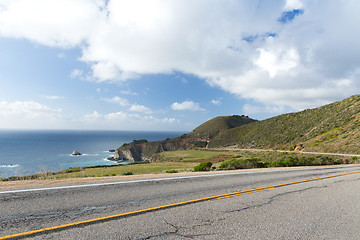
(320, 209)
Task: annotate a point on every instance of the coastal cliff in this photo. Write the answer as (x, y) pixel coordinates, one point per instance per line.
(142, 150)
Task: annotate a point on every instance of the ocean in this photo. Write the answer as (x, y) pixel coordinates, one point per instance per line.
(28, 152)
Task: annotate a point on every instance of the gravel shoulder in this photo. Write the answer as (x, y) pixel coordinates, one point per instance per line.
(69, 181)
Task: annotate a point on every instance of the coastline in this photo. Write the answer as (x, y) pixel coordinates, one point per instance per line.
(26, 152)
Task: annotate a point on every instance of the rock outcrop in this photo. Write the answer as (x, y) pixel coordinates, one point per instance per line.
(142, 150)
(76, 153)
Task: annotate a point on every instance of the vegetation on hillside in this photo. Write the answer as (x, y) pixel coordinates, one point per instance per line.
(187, 160)
(216, 125)
(287, 161)
(193, 155)
(204, 166)
(331, 128)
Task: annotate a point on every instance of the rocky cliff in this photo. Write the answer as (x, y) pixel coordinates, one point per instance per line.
(141, 150)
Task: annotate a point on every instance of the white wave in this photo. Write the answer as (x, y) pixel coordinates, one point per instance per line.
(82, 155)
(92, 154)
(105, 159)
(9, 166)
(85, 154)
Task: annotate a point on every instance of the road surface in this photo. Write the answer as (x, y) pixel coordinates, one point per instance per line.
(269, 204)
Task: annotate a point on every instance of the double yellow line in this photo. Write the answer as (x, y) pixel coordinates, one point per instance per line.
(112, 217)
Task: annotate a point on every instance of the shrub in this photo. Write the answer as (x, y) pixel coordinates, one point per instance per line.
(236, 163)
(204, 166)
(289, 161)
(127, 173)
(139, 141)
(171, 171)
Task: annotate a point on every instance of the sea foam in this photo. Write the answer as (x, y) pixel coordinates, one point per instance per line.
(9, 166)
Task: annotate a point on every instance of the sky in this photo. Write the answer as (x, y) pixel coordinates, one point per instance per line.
(170, 65)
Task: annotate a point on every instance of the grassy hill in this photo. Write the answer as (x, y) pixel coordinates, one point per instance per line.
(216, 125)
(331, 128)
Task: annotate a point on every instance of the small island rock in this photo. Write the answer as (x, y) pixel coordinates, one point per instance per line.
(76, 153)
(112, 150)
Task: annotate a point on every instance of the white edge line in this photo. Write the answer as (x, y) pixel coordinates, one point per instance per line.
(149, 180)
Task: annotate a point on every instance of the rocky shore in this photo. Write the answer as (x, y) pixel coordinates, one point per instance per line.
(144, 151)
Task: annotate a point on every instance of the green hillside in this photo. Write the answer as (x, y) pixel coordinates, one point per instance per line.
(216, 125)
(331, 128)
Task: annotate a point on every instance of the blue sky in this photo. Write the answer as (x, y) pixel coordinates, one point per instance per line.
(171, 65)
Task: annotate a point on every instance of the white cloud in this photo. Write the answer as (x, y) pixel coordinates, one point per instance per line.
(54, 97)
(216, 102)
(29, 109)
(274, 62)
(128, 92)
(28, 114)
(187, 105)
(125, 103)
(34, 115)
(139, 108)
(117, 116)
(103, 71)
(168, 120)
(118, 100)
(77, 73)
(63, 23)
(293, 4)
(299, 64)
(126, 120)
(92, 117)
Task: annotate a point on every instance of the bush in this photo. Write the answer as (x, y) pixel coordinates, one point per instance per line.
(291, 161)
(171, 171)
(204, 166)
(127, 173)
(288, 161)
(139, 141)
(236, 163)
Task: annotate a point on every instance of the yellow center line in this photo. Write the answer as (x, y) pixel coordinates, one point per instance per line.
(107, 218)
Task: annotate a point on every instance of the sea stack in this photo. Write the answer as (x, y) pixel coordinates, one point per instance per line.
(76, 153)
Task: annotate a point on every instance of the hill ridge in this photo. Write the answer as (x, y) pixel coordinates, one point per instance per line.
(332, 127)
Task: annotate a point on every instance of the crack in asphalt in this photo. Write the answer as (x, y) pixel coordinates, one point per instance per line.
(176, 232)
(272, 199)
(34, 217)
(353, 180)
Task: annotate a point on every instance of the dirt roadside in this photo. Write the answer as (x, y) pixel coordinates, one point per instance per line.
(70, 181)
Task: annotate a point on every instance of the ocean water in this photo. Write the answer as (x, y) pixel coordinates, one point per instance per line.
(28, 152)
